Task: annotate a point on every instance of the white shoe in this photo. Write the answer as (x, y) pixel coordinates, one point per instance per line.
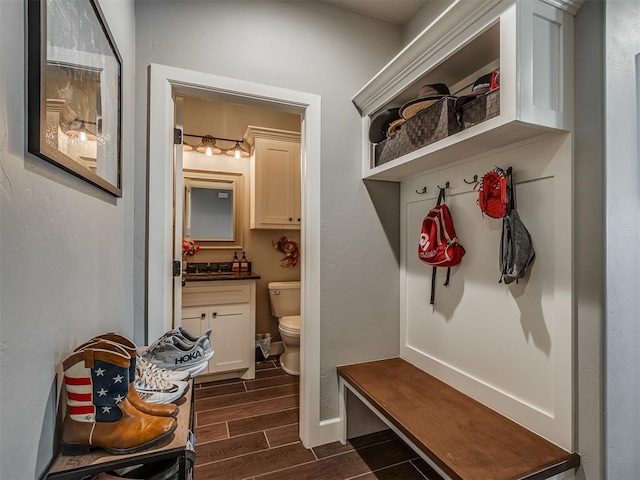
(154, 389)
(152, 369)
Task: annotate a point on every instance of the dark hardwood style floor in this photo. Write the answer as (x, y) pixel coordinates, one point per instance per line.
(248, 430)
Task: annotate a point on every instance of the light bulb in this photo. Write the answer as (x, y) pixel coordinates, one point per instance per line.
(208, 151)
(83, 136)
(236, 154)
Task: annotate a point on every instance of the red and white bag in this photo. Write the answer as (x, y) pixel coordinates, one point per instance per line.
(492, 197)
(438, 245)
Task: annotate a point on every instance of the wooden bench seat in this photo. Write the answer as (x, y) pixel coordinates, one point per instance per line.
(459, 435)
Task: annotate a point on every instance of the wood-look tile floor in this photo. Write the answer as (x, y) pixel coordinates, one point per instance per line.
(248, 430)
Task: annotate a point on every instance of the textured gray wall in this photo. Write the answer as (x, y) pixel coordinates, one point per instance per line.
(622, 95)
(315, 48)
(66, 258)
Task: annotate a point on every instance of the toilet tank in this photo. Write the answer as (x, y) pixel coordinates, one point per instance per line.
(284, 298)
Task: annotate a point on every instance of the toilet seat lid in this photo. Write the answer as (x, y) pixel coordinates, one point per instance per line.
(291, 322)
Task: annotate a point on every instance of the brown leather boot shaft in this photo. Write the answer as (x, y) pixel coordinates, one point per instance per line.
(159, 409)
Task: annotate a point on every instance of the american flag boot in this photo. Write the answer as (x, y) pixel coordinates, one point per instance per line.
(99, 414)
(127, 346)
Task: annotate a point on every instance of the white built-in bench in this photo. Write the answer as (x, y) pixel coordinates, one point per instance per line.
(462, 438)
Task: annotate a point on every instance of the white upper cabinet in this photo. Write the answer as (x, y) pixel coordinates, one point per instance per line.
(530, 42)
(274, 178)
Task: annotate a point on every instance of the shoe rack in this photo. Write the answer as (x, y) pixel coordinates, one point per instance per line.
(179, 446)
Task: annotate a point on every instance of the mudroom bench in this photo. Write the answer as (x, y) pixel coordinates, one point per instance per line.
(462, 438)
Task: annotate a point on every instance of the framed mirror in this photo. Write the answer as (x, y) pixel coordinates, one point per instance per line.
(212, 205)
(74, 91)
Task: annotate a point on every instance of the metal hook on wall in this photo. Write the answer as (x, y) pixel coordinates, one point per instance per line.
(421, 192)
(446, 185)
(475, 180)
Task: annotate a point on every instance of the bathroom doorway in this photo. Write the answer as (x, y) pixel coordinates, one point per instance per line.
(257, 215)
(165, 84)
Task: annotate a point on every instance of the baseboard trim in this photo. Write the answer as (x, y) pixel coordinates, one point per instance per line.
(328, 431)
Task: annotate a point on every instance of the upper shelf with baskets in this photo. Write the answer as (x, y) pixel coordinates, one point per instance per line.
(529, 46)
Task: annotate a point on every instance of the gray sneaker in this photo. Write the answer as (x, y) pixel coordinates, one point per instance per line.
(173, 353)
(186, 337)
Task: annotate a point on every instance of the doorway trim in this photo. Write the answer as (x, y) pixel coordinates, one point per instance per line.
(164, 83)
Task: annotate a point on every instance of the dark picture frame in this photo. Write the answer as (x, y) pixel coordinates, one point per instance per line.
(75, 91)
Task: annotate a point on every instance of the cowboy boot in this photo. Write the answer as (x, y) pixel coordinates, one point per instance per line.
(99, 413)
(160, 410)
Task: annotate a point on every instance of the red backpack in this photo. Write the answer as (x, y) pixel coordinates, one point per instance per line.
(492, 197)
(438, 245)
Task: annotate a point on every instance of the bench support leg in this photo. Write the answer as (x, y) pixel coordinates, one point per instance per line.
(342, 398)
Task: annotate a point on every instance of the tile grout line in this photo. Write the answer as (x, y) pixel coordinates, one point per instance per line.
(245, 403)
(286, 468)
(383, 468)
(247, 391)
(233, 457)
(242, 418)
(356, 449)
(420, 471)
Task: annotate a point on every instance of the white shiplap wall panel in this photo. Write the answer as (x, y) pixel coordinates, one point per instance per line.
(508, 346)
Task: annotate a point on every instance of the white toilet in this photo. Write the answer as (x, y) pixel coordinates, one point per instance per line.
(285, 304)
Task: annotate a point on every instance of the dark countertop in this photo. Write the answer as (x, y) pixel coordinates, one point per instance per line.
(219, 276)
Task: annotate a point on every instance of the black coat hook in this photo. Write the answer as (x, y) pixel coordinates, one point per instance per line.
(446, 185)
(423, 191)
(475, 180)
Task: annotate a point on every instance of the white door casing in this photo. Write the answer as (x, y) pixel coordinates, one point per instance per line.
(165, 83)
(177, 214)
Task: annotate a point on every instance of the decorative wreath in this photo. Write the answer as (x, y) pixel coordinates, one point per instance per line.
(189, 247)
(290, 249)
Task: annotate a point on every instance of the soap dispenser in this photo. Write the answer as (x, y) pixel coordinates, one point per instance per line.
(235, 264)
(244, 263)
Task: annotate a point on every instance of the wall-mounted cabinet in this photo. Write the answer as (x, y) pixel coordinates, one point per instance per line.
(274, 178)
(528, 41)
(228, 310)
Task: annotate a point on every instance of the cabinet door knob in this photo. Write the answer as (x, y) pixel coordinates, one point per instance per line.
(214, 314)
(290, 219)
(202, 315)
(298, 219)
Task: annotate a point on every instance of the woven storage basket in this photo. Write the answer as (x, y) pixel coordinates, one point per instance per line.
(427, 126)
(481, 109)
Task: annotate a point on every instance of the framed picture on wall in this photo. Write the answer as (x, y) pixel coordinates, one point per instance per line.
(74, 91)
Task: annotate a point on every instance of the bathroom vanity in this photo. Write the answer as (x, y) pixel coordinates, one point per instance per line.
(225, 303)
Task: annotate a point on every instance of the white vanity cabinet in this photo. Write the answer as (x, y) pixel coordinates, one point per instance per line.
(274, 178)
(227, 308)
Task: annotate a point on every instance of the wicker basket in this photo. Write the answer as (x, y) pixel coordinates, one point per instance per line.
(481, 109)
(434, 123)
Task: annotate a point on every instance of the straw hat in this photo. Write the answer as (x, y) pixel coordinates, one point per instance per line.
(394, 127)
(428, 95)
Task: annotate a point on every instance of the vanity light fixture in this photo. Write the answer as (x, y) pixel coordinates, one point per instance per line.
(79, 130)
(237, 151)
(208, 146)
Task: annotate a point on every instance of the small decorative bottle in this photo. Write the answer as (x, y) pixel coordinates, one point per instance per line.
(235, 264)
(244, 263)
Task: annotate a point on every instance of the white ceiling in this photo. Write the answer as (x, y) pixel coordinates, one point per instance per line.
(393, 11)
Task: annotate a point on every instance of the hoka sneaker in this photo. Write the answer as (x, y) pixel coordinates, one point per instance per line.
(154, 389)
(174, 354)
(187, 338)
(153, 370)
